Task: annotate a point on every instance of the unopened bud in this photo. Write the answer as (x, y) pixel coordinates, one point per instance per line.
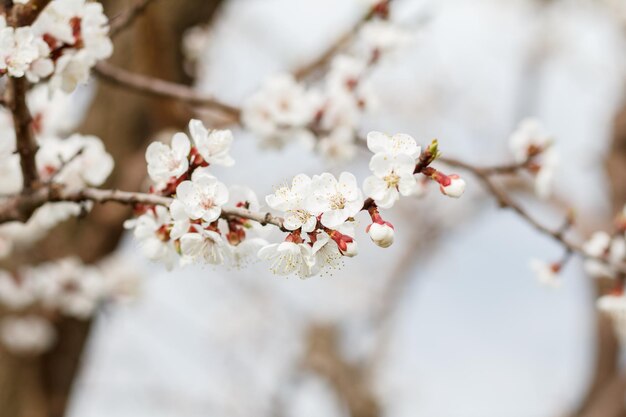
(351, 249)
(454, 188)
(381, 234)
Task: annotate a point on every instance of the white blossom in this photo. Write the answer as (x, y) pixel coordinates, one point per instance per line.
(15, 293)
(53, 112)
(325, 255)
(288, 258)
(78, 31)
(151, 231)
(339, 145)
(71, 70)
(617, 252)
(245, 252)
(610, 250)
(544, 178)
(398, 144)
(214, 145)
(337, 200)
(167, 162)
(77, 161)
(529, 138)
(203, 196)
(294, 202)
(381, 37)
(195, 42)
(547, 274)
(18, 234)
(347, 93)
(393, 175)
(340, 109)
(121, 280)
(11, 181)
(19, 49)
(28, 335)
(241, 196)
(615, 306)
(279, 111)
(69, 286)
(346, 72)
(42, 66)
(204, 246)
(598, 246)
(180, 219)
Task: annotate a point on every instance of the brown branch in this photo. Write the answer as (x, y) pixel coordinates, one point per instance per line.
(323, 60)
(21, 207)
(161, 88)
(325, 57)
(26, 14)
(25, 139)
(348, 380)
(126, 19)
(505, 201)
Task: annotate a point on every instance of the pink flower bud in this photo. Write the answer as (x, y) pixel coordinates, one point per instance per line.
(381, 234)
(454, 187)
(346, 244)
(351, 249)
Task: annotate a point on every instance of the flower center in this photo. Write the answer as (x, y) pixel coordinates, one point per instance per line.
(206, 202)
(337, 202)
(303, 215)
(392, 180)
(173, 163)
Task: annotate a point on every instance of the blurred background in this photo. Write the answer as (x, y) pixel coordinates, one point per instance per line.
(448, 322)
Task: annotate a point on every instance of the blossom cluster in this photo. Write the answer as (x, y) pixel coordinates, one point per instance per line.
(533, 147)
(35, 297)
(605, 258)
(325, 116)
(188, 230)
(63, 44)
(74, 162)
(318, 212)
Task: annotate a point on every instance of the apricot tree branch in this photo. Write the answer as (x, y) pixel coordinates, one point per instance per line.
(325, 57)
(161, 88)
(505, 201)
(24, 15)
(21, 207)
(25, 139)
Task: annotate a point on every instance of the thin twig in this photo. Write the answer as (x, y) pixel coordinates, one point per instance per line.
(325, 57)
(24, 15)
(125, 19)
(21, 207)
(64, 164)
(25, 139)
(504, 200)
(323, 60)
(162, 88)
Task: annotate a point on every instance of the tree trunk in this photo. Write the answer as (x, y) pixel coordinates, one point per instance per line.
(125, 121)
